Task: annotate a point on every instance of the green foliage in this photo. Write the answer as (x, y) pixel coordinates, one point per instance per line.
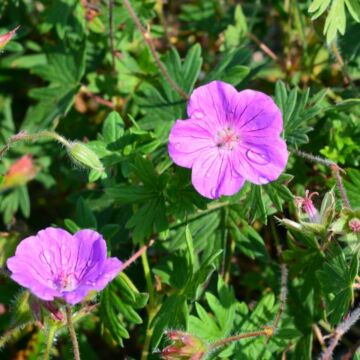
(83, 70)
(336, 17)
(337, 278)
(298, 110)
(119, 302)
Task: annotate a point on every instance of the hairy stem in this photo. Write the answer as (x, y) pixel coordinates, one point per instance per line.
(264, 47)
(9, 334)
(283, 296)
(24, 136)
(72, 332)
(98, 98)
(147, 37)
(49, 343)
(335, 168)
(139, 253)
(341, 187)
(343, 67)
(111, 33)
(219, 343)
(340, 330)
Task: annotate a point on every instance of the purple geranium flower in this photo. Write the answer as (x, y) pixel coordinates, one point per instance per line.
(55, 264)
(230, 137)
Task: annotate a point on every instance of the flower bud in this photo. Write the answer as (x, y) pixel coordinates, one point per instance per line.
(308, 206)
(185, 346)
(19, 173)
(5, 38)
(84, 156)
(354, 225)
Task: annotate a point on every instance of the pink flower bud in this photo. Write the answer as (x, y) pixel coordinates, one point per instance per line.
(19, 173)
(54, 310)
(354, 225)
(5, 38)
(185, 346)
(308, 206)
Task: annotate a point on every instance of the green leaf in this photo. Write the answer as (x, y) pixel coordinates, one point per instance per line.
(117, 304)
(129, 194)
(354, 9)
(113, 127)
(64, 70)
(297, 109)
(151, 217)
(336, 279)
(183, 73)
(173, 314)
(24, 200)
(249, 241)
(218, 324)
(279, 192)
(352, 187)
(84, 216)
(254, 203)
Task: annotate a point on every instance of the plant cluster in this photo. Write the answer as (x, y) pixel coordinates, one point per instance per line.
(179, 179)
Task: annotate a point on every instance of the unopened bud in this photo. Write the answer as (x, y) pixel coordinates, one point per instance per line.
(5, 38)
(84, 156)
(19, 173)
(354, 225)
(54, 310)
(185, 347)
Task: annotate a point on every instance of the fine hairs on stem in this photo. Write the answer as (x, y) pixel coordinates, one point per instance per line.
(335, 169)
(24, 136)
(111, 34)
(340, 330)
(283, 296)
(267, 331)
(147, 37)
(72, 332)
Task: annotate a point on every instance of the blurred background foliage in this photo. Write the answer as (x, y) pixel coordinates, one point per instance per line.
(82, 68)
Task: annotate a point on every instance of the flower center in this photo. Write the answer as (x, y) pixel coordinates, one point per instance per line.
(66, 281)
(227, 139)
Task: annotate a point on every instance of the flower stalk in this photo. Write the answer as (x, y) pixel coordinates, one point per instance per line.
(50, 340)
(268, 332)
(72, 332)
(147, 37)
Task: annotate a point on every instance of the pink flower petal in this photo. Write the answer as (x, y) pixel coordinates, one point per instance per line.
(212, 102)
(187, 141)
(214, 176)
(255, 114)
(261, 163)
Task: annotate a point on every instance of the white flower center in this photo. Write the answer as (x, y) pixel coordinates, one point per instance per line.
(66, 281)
(227, 139)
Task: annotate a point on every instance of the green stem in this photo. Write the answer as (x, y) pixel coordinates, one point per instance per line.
(72, 332)
(150, 288)
(148, 335)
(50, 340)
(147, 274)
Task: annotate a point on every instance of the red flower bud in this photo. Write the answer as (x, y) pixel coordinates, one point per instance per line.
(19, 173)
(185, 347)
(5, 38)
